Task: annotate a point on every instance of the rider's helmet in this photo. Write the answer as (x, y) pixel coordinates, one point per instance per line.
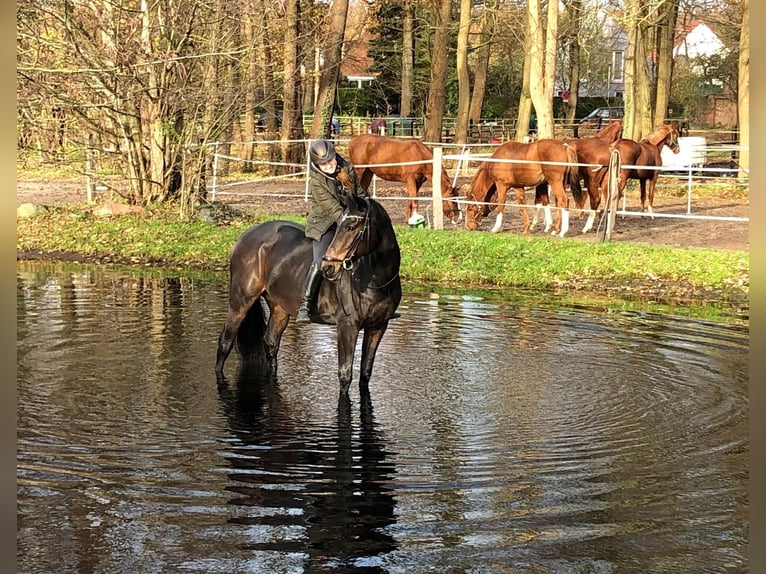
(321, 151)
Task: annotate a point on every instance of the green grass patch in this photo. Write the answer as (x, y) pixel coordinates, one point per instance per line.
(460, 257)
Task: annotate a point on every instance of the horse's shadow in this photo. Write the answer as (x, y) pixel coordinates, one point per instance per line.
(329, 483)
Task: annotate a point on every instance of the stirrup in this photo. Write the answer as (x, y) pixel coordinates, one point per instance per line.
(303, 316)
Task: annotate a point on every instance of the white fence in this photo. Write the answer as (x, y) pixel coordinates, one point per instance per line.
(688, 167)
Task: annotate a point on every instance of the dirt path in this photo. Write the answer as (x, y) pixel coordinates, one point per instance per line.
(287, 198)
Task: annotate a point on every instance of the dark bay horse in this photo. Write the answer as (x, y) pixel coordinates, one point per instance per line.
(595, 152)
(646, 152)
(375, 150)
(533, 164)
(361, 288)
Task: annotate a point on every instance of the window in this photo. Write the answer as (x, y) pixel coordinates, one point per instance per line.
(618, 66)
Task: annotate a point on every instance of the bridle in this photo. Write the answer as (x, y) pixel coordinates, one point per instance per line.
(673, 140)
(347, 261)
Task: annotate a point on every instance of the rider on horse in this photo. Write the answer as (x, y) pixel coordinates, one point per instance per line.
(330, 177)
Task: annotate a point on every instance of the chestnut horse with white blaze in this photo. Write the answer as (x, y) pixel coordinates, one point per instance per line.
(648, 153)
(593, 154)
(378, 155)
(545, 161)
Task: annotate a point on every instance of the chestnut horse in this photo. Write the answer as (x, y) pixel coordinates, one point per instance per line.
(544, 161)
(593, 154)
(646, 152)
(371, 152)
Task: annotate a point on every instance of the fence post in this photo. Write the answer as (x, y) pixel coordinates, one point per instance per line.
(90, 184)
(436, 189)
(215, 171)
(611, 199)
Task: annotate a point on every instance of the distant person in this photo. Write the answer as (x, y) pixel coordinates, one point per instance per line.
(330, 178)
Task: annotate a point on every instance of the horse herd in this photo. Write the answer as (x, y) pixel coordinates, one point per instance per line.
(361, 289)
(545, 165)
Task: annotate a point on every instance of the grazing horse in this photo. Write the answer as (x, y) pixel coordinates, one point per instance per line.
(376, 152)
(593, 153)
(361, 288)
(533, 164)
(646, 152)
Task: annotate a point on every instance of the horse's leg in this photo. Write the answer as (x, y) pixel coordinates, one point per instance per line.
(228, 334)
(347, 334)
(642, 185)
(594, 188)
(412, 204)
(542, 204)
(502, 191)
(562, 203)
(372, 337)
(278, 320)
(652, 182)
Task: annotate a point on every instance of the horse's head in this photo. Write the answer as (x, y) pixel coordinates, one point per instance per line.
(348, 243)
(671, 139)
(476, 204)
(451, 207)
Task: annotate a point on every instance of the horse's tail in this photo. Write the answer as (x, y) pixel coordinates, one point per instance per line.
(572, 175)
(250, 343)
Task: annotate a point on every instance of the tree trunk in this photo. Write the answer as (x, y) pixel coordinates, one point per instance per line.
(544, 38)
(525, 99)
(439, 60)
(464, 81)
(250, 73)
(743, 92)
(668, 13)
(292, 119)
(328, 79)
(573, 44)
(408, 57)
(482, 65)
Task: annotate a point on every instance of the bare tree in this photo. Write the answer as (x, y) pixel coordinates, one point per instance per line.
(463, 78)
(439, 66)
(543, 44)
(330, 71)
(667, 13)
(408, 57)
(572, 44)
(743, 92)
(486, 25)
(293, 152)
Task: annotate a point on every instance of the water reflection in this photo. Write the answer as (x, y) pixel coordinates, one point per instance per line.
(504, 434)
(320, 497)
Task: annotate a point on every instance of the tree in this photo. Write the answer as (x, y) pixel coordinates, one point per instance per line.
(137, 79)
(482, 62)
(743, 92)
(293, 152)
(464, 81)
(408, 57)
(542, 62)
(330, 71)
(439, 64)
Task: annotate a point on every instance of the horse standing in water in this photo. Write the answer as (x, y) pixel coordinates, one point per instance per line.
(595, 152)
(361, 288)
(539, 164)
(645, 153)
(375, 151)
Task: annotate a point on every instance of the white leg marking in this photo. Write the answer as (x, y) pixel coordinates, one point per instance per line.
(548, 218)
(589, 223)
(498, 223)
(564, 222)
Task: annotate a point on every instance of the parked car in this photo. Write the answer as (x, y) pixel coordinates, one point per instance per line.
(597, 119)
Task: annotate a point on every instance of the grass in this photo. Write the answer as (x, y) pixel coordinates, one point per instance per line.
(463, 258)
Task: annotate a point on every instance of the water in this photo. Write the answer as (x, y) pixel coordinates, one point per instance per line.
(504, 434)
